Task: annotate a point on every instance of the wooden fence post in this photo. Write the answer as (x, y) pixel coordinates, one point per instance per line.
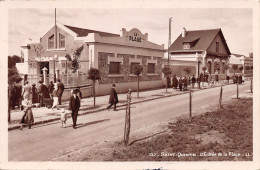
(237, 91)
(127, 120)
(190, 108)
(220, 97)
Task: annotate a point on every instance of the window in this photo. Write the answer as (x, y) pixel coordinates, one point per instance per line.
(217, 47)
(51, 42)
(151, 68)
(114, 68)
(132, 67)
(186, 46)
(61, 41)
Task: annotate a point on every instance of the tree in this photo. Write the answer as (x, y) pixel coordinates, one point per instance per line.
(94, 74)
(204, 68)
(166, 71)
(251, 55)
(234, 67)
(76, 59)
(12, 60)
(13, 78)
(226, 67)
(137, 70)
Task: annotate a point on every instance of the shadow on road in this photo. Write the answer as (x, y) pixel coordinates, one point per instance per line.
(80, 125)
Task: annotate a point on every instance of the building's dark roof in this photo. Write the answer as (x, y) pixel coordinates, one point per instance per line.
(204, 39)
(82, 32)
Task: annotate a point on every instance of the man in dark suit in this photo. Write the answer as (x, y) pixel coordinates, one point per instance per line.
(193, 81)
(43, 92)
(51, 88)
(180, 83)
(113, 99)
(60, 90)
(74, 106)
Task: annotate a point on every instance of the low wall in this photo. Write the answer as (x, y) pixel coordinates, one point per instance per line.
(104, 89)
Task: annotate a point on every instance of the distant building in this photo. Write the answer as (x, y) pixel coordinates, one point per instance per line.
(114, 55)
(193, 50)
(241, 60)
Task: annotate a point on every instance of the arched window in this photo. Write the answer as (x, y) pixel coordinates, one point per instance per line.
(51, 42)
(61, 41)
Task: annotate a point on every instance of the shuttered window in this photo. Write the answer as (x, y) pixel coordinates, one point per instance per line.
(114, 68)
(151, 68)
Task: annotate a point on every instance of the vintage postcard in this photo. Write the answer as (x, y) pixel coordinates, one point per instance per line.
(130, 85)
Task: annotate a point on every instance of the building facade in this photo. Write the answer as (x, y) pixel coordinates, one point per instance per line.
(241, 61)
(113, 54)
(193, 50)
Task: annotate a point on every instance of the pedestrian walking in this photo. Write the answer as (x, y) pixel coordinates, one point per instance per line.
(240, 79)
(64, 117)
(55, 98)
(51, 88)
(79, 93)
(27, 90)
(180, 83)
(28, 114)
(35, 97)
(185, 83)
(198, 81)
(74, 105)
(42, 92)
(175, 82)
(129, 97)
(227, 79)
(113, 99)
(60, 90)
(193, 81)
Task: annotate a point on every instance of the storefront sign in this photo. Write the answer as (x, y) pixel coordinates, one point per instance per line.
(135, 37)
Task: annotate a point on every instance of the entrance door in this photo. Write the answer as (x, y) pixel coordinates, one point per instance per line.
(42, 65)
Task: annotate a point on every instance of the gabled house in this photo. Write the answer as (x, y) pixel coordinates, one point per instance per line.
(198, 48)
(113, 54)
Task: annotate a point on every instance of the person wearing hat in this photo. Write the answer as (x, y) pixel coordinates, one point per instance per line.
(60, 90)
(35, 96)
(27, 90)
(74, 105)
(113, 99)
(180, 83)
(43, 93)
(28, 114)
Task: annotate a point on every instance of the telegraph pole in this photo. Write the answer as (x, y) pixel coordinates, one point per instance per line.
(169, 42)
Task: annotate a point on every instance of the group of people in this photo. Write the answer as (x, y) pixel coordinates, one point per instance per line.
(32, 96)
(184, 82)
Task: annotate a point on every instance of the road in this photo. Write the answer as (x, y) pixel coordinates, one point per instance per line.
(47, 141)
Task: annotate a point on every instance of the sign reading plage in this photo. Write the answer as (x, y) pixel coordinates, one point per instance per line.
(135, 37)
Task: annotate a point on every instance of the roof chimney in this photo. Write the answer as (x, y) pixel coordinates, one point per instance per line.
(183, 32)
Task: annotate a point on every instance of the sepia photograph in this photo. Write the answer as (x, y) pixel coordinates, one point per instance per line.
(167, 84)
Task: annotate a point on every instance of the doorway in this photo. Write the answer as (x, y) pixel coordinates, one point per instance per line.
(42, 65)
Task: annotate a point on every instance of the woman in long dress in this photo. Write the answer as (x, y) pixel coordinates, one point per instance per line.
(28, 114)
(55, 97)
(27, 90)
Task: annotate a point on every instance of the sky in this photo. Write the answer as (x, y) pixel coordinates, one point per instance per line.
(235, 23)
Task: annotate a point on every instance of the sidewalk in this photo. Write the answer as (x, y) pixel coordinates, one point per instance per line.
(44, 115)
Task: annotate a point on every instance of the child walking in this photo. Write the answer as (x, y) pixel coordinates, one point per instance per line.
(63, 117)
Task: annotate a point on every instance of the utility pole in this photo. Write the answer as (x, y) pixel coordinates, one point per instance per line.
(169, 42)
(54, 60)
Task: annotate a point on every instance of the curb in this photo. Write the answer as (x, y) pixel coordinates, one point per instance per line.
(102, 109)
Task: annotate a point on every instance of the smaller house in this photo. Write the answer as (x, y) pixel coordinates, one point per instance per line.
(242, 62)
(196, 49)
